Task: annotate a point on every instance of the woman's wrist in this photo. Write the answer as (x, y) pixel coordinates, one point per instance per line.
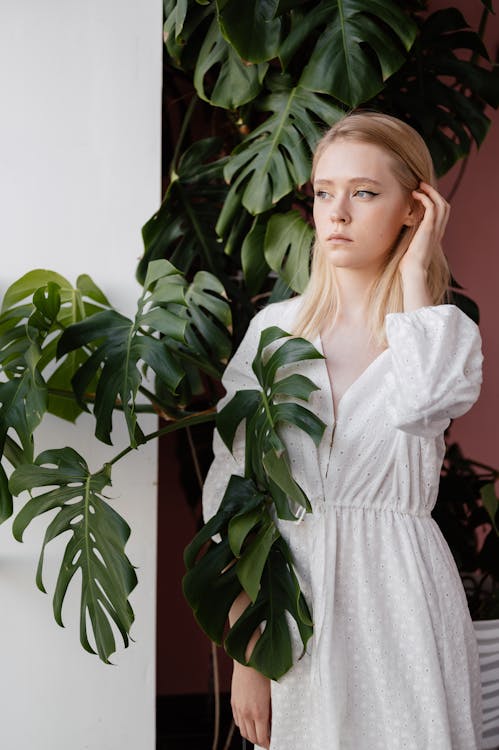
(414, 280)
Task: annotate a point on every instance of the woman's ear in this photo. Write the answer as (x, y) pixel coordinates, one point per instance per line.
(414, 214)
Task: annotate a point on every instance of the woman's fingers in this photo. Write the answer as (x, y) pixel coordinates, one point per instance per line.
(429, 232)
(251, 704)
(436, 207)
(255, 732)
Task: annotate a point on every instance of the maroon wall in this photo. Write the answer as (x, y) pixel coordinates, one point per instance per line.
(472, 247)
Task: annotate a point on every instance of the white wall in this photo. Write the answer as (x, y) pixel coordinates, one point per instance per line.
(80, 102)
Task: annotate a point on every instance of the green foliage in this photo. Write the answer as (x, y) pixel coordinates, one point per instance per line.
(279, 593)
(236, 83)
(38, 323)
(284, 71)
(287, 243)
(188, 212)
(360, 44)
(442, 94)
(95, 548)
(119, 344)
(252, 28)
(251, 554)
(97, 358)
(275, 156)
(29, 333)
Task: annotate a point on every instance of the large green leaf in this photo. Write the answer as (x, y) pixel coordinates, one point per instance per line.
(211, 579)
(254, 265)
(39, 315)
(265, 452)
(288, 241)
(206, 344)
(279, 594)
(182, 229)
(440, 93)
(264, 415)
(95, 547)
(252, 561)
(241, 496)
(27, 285)
(275, 157)
(251, 555)
(362, 44)
(184, 29)
(278, 472)
(178, 328)
(210, 589)
(23, 396)
(251, 27)
(236, 82)
(23, 402)
(209, 320)
(120, 345)
(263, 567)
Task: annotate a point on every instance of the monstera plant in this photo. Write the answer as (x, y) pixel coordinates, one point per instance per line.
(249, 87)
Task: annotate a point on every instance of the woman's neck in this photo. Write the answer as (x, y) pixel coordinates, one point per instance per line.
(354, 289)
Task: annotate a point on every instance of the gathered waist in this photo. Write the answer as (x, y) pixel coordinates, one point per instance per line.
(322, 506)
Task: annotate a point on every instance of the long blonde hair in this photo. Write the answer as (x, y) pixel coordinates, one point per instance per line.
(412, 164)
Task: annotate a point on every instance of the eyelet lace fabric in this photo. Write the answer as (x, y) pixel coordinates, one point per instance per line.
(393, 663)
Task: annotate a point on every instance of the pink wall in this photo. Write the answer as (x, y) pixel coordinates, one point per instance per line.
(472, 247)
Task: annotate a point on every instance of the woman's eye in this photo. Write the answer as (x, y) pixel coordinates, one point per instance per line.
(365, 193)
(321, 194)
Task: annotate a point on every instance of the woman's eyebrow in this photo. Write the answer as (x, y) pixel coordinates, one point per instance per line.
(371, 180)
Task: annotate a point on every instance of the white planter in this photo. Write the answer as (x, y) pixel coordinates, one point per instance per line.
(487, 633)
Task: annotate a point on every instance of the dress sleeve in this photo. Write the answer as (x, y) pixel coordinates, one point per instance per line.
(238, 376)
(436, 369)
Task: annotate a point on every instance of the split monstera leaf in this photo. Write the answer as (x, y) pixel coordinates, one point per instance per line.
(65, 350)
(251, 555)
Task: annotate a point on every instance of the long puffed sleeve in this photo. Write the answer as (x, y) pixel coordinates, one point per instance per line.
(238, 376)
(436, 369)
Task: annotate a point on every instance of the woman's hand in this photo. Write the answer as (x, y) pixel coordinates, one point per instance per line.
(250, 700)
(414, 264)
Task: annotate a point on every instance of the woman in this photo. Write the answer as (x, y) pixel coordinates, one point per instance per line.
(393, 661)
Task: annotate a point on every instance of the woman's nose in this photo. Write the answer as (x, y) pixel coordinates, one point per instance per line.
(339, 212)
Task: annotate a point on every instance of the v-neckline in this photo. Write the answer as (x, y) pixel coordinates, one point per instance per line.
(353, 384)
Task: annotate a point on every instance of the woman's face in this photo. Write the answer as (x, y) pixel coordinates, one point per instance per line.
(359, 205)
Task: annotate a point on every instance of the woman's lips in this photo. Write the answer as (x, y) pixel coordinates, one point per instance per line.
(338, 238)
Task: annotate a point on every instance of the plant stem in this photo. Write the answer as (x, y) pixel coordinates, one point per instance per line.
(266, 407)
(69, 395)
(166, 408)
(216, 692)
(195, 460)
(196, 418)
(181, 135)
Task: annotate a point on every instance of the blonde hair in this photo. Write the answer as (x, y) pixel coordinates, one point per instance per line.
(412, 164)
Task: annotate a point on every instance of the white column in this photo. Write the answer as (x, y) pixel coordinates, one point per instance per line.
(80, 168)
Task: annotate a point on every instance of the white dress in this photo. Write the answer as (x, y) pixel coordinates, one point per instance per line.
(393, 662)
